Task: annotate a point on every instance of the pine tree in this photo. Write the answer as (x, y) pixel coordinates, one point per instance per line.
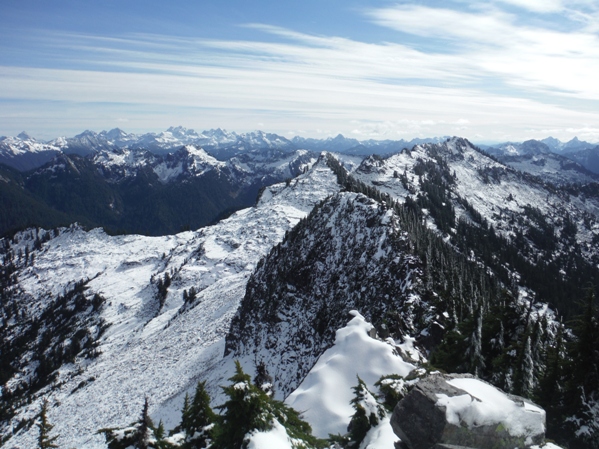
(584, 351)
(250, 409)
(367, 414)
(477, 361)
(550, 390)
(527, 368)
(263, 380)
(242, 412)
(45, 441)
(582, 388)
(145, 424)
(140, 435)
(197, 419)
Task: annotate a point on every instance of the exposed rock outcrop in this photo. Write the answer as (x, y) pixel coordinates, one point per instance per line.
(445, 411)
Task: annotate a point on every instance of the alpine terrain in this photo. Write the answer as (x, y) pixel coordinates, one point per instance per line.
(232, 290)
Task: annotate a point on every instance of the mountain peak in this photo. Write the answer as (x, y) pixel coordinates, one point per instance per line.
(86, 133)
(115, 133)
(24, 136)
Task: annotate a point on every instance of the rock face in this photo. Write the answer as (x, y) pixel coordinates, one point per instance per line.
(460, 410)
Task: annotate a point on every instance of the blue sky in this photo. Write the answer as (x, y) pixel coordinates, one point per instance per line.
(489, 71)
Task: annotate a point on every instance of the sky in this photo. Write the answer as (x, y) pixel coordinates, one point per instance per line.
(490, 71)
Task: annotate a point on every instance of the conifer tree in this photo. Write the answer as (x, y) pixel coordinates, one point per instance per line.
(140, 435)
(477, 361)
(263, 380)
(45, 441)
(145, 424)
(249, 409)
(550, 390)
(584, 351)
(367, 414)
(527, 368)
(242, 412)
(197, 419)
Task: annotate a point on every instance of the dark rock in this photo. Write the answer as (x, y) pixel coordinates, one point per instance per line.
(475, 419)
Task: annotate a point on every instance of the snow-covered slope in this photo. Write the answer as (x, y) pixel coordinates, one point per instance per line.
(498, 193)
(553, 168)
(25, 153)
(155, 347)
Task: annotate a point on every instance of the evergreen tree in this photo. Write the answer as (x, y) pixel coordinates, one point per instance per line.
(263, 380)
(582, 387)
(367, 414)
(249, 408)
(45, 441)
(242, 412)
(474, 352)
(584, 350)
(140, 435)
(550, 390)
(527, 369)
(145, 424)
(197, 419)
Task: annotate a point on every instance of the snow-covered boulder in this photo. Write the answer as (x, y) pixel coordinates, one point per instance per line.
(464, 411)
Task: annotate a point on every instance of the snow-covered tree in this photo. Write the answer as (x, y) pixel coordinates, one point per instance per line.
(367, 414)
(263, 380)
(527, 368)
(249, 409)
(474, 351)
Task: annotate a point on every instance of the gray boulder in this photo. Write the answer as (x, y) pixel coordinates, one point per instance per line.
(445, 411)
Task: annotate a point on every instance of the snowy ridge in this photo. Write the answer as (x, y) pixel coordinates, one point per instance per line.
(497, 192)
(149, 349)
(552, 168)
(194, 161)
(25, 153)
(348, 254)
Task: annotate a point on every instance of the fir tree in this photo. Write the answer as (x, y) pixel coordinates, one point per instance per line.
(242, 412)
(550, 390)
(367, 414)
(474, 352)
(45, 441)
(145, 424)
(527, 369)
(584, 351)
(263, 380)
(140, 435)
(197, 419)
(250, 409)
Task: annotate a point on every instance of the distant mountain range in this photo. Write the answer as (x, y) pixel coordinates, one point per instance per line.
(24, 153)
(557, 162)
(127, 190)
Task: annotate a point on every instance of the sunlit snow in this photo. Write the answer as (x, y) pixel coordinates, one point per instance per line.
(325, 394)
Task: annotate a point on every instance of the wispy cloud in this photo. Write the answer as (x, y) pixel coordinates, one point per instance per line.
(542, 6)
(491, 72)
(495, 43)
